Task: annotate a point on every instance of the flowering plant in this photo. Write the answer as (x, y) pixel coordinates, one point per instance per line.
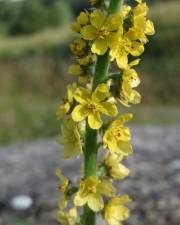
(109, 35)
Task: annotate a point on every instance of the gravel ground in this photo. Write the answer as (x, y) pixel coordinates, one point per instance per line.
(154, 183)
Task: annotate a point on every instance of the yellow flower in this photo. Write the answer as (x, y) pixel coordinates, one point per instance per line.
(65, 108)
(130, 80)
(125, 10)
(90, 191)
(83, 18)
(78, 47)
(125, 47)
(102, 31)
(63, 188)
(67, 218)
(117, 137)
(78, 70)
(76, 27)
(128, 95)
(131, 74)
(92, 105)
(87, 60)
(141, 25)
(115, 212)
(115, 169)
(75, 70)
(70, 139)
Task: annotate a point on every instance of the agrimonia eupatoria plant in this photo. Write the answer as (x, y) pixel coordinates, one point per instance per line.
(109, 39)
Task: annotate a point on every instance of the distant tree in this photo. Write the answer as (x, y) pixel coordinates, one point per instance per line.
(30, 16)
(59, 12)
(8, 14)
(78, 5)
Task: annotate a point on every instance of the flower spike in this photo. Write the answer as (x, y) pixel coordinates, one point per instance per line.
(109, 33)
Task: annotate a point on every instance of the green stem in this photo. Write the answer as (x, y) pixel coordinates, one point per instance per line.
(90, 154)
(91, 150)
(101, 70)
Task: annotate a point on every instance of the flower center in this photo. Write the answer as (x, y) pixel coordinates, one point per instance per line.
(125, 44)
(118, 134)
(92, 189)
(91, 107)
(103, 33)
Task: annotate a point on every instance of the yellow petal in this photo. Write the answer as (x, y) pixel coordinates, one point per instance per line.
(134, 62)
(112, 145)
(137, 49)
(122, 61)
(108, 109)
(73, 146)
(119, 172)
(100, 46)
(95, 202)
(94, 120)
(75, 70)
(76, 27)
(73, 212)
(79, 201)
(113, 22)
(79, 113)
(135, 97)
(132, 77)
(82, 95)
(106, 188)
(83, 18)
(149, 28)
(113, 39)
(124, 199)
(122, 119)
(97, 18)
(89, 32)
(101, 93)
(122, 213)
(63, 202)
(125, 10)
(124, 148)
(62, 110)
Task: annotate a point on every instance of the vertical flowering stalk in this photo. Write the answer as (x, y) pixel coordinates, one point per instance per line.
(109, 35)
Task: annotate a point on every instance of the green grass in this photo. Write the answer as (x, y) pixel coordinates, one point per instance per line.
(28, 116)
(12, 220)
(13, 47)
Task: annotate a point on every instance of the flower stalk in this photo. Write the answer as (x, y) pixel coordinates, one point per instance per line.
(105, 35)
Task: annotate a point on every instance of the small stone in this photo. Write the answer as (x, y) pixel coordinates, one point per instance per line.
(21, 202)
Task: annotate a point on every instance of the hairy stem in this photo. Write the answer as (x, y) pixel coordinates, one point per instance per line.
(91, 150)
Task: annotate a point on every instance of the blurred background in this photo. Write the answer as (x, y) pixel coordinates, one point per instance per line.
(34, 56)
